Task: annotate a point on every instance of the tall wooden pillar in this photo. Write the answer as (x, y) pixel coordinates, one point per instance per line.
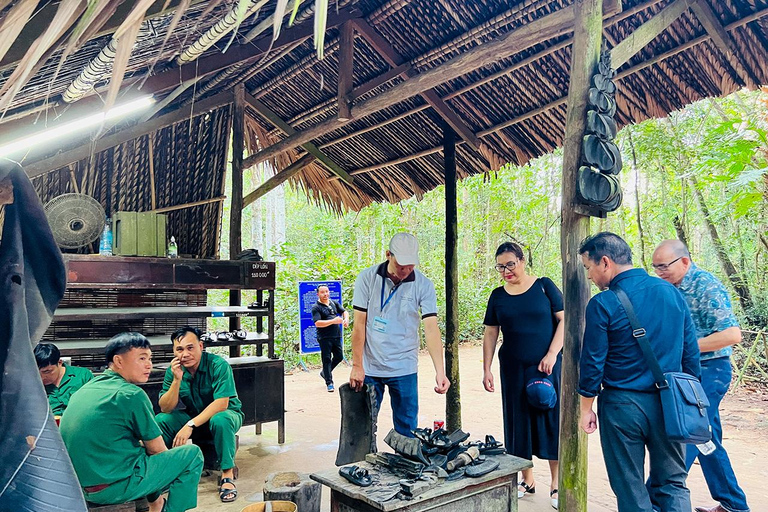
(453, 397)
(585, 53)
(236, 209)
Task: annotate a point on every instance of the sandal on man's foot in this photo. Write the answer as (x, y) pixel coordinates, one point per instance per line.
(356, 475)
(227, 495)
(553, 498)
(527, 489)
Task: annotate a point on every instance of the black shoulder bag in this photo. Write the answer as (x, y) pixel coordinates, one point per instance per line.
(683, 401)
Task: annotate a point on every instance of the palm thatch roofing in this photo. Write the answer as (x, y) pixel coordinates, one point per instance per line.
(511, 110)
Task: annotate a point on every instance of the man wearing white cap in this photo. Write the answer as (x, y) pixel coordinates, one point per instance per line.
(390, 300)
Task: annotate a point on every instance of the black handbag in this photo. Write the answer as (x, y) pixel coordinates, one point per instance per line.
(683, 401)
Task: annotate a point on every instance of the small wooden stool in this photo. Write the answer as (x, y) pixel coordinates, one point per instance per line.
(296, 488)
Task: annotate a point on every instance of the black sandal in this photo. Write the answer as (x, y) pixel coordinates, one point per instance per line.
(356, 475)
(529, 489)
(227, 495)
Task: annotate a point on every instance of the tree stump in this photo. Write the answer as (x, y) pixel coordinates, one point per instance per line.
(295, 487)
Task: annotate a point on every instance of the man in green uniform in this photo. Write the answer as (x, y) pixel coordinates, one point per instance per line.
(204, 384)
(114, 442)
(60, 380)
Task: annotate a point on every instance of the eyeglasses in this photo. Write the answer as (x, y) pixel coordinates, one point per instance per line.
(502, 268)
(663, 267)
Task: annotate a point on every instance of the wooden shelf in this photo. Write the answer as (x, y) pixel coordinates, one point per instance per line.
(89, 346)
(137, 313)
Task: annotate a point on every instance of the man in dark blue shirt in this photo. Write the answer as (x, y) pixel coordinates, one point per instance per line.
(613, 367)
(329, 317)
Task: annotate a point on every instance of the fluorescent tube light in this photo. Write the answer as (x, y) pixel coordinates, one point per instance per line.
(47, 136)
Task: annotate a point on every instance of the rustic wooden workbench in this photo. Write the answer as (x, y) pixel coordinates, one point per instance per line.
(494, 492)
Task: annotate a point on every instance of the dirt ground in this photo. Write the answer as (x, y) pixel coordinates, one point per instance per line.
(312, 431)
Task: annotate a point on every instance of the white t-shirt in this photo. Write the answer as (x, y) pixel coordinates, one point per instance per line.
(392, 332)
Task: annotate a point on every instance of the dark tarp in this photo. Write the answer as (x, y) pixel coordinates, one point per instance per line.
(36, 473)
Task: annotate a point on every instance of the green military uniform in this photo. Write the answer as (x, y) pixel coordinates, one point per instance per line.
(102, 427)
(212, 380)
(74, 378)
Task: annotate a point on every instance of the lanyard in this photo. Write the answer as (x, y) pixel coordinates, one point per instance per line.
(391, 292)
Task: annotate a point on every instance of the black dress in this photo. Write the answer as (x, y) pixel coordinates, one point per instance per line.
(527, 324)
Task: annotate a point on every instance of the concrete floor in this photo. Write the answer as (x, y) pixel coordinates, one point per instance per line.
(312, 431)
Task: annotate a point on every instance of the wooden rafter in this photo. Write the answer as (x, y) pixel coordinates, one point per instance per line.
(132, 132)
(647, 32)
(550, 26)
(273, 118)
(722, 40)
(394, 59)
(279, 178)
(346, 69)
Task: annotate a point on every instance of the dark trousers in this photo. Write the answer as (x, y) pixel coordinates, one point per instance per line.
(717, 469)
(332, 353)
(631, 422)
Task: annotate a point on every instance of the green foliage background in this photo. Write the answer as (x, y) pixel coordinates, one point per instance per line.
(720, 144)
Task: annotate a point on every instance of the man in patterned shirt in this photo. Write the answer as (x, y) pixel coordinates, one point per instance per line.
(717, 330)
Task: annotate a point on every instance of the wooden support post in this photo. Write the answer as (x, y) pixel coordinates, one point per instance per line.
(453, 398)
(151, 159)
(587, 38)
(236, 208)
(278, 179)
(346, 69)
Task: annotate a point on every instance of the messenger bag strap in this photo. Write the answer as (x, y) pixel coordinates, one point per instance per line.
(638, 332)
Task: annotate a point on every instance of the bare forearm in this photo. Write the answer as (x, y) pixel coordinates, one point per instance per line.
(217, 406)
(557, 340)
(154, 446)
(721, 339)
(434, 344)
(490, 338)
(325, 323)
(358, 341)
(170, 399)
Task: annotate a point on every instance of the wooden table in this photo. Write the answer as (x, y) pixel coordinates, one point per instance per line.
(493, 492)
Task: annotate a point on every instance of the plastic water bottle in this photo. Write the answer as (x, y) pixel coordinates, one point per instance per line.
(173, 249)
(105, 244)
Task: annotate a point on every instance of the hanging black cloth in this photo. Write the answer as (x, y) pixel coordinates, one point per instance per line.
(36, 473)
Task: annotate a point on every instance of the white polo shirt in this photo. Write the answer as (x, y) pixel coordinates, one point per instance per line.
(392, 332)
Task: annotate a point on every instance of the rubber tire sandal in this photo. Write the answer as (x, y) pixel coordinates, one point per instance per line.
(227, 495)
(529, 489)
(356, 475)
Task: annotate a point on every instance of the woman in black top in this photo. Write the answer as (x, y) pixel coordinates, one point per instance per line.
(529, 312)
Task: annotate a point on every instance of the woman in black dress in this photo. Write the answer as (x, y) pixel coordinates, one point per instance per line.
(529, 312)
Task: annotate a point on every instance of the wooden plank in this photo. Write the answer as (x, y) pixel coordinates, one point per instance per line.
(453, 397)
(312, 149)
(587, 38)
(188, 205)
(346, 69)
(279, 178)
(127, 313)
(722, 40)
(647, 32)
(85, 150)
(542, 29)
(236, 209)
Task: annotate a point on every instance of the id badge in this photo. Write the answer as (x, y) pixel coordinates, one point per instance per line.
(380, 324)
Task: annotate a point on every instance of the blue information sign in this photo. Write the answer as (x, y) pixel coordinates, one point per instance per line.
(307, 298)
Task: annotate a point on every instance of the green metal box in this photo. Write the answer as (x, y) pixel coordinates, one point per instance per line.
(139, 234)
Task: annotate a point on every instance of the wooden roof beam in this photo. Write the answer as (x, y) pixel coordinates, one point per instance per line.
(647, 32)
(129, 133)
(346, 69)
(394, 59)
(547, 27)
(723, 41)
(273, 118)
(278, 179)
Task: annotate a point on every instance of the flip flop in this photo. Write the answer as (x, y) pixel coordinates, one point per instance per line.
(227, 495)
(602, 154)
(602, 101)
(605, 69)
(603, 83)
(356, 475)
(613, 203)
(207, 338)
(224, 336)
(601, 125)
(481, 468)
(240, 334)
(593, 186)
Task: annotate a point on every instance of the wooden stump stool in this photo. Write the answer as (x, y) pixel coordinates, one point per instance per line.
(295, 487)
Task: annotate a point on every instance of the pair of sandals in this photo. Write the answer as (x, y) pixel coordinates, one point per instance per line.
(224, 337)
(531, 489)
(356, 475)
(598, 189)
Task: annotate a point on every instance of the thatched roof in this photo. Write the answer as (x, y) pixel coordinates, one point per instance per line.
(515, 107)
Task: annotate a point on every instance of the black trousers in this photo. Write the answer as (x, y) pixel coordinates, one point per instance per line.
(630, 423)
(332, 353)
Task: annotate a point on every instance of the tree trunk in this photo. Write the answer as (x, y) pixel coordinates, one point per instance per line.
(637, 199)
(680, 229)
(453, 397)
(739, 284)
